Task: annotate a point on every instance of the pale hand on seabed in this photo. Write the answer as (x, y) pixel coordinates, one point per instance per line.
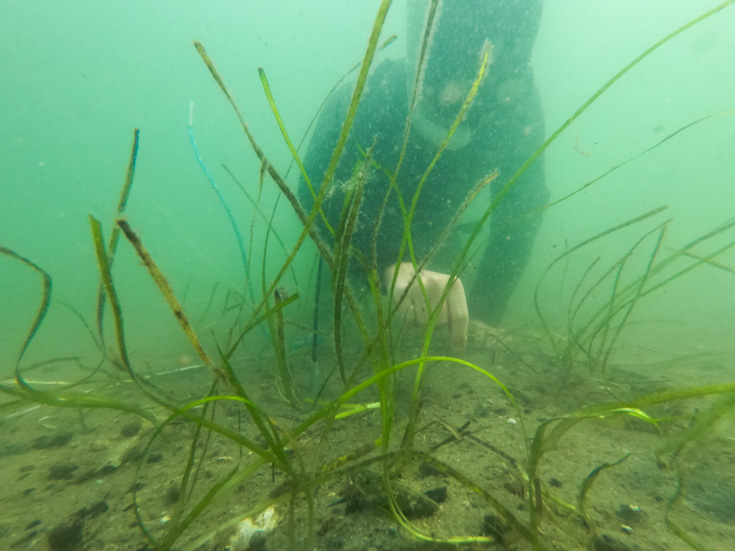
(413, 309)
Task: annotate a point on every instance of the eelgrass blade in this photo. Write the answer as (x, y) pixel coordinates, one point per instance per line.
(384, 327)
(109, 287)
(513, 180)
(264, 456)
(486, 60)
(584, 337)
(704, 426)
(572, 312)
(674, 527)
(178, 529)
(587, 484)
(406, 239)
(263, 216)
(388, 41)
(308, 221)
(374, 279)
(345, 397)
(323, 413)
(544, 439)
(536, 301)
(635, 407)
(408, 217)
(343, 237)
(270, 169)
(40, 313)
(115, 234)
(316, 372)
(356, 96)
(632, 288)
(707, 261)
(194, 447)
(276, 323)
(477, 489)
(399, 515)
(279, 296)
(634, 157)
(57, 399)
(262, 421)
(701, 261)
(75, 401)
(209, 302)
(163, 286)
(282, 127)
(406, 242)
(257, 322)
(200, 542)
(83, 321)
(633, 301)
(420, 66)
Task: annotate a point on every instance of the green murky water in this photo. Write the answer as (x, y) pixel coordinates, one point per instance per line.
(626, 298)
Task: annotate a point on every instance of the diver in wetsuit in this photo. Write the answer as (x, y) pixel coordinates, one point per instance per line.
(503, 127)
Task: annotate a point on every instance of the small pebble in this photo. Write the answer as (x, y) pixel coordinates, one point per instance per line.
(630, 514)
(66, 537)
(172, 494)
(439, 495)
(46, 441)
(62, 471)
(131, 429)
(97, 508)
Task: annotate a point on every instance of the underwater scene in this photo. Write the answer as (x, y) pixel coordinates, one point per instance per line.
(367, 275)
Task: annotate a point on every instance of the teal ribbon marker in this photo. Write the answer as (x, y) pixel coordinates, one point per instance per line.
(230, 216)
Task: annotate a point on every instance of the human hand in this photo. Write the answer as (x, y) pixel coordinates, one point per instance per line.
(415, 310)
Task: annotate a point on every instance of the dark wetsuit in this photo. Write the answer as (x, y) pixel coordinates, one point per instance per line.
(506, 123)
